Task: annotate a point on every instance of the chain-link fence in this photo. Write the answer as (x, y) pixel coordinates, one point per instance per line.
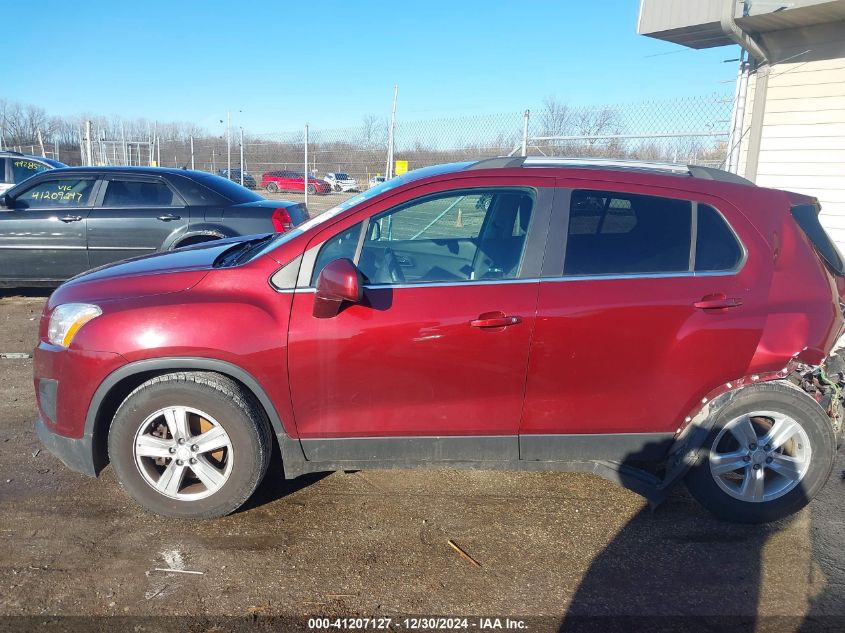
(688, 130)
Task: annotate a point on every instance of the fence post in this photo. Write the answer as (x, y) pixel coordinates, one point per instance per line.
(229, 144)
(88, 146)
(41, 142)
(153, 141)
(306, 166)
(525, 118)
(391, 134)
(123, 142)
(192, 152)
(242, 156)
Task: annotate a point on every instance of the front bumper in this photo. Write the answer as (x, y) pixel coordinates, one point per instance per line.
(76, 454)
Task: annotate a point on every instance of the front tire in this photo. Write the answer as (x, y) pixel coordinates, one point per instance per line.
(190, 445)
(312, 189)
(769, 453)
(272, 187)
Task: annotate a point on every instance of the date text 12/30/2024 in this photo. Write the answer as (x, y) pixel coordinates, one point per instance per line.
(417, 624)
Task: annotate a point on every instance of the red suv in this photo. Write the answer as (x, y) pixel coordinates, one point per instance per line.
(644, 322)
(284, 180)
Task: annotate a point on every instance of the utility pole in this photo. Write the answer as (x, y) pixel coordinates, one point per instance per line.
(229, 144)
(192, 152)
(306, 166)
(242, 156)
(388, 172)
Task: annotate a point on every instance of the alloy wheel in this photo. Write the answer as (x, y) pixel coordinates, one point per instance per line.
(183, 453)
(760, 456)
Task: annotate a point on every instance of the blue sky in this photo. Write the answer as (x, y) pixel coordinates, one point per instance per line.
(279, 64)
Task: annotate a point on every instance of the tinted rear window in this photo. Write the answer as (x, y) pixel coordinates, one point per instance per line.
(620, 233)
(807, 217)
(227, 188)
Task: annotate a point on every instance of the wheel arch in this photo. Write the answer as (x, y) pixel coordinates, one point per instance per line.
(210, 232)
(121, 382)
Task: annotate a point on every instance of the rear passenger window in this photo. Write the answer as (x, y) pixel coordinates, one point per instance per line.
(126, 193)
(613, 233)
(716, 247)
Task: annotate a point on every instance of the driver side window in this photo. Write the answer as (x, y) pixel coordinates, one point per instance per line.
(459, 236)
(58, 192)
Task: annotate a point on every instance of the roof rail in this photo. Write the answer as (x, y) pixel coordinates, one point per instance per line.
(499, 162)
(679, 169)
(613, 163)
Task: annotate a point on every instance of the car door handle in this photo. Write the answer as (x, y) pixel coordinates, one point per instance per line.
(167, 217)
(717, 301)
(70, 218)
(495, 319)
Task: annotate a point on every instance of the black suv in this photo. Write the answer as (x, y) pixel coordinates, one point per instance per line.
(62, 222)
(248, 179)
(16, 167)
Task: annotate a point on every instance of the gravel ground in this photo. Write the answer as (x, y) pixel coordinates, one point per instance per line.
(375, 543)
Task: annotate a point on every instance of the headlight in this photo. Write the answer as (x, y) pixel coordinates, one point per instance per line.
(67, 319)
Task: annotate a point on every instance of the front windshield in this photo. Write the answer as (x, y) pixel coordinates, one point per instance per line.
(342, 176)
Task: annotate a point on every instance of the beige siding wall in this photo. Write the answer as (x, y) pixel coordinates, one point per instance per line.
(803, 140)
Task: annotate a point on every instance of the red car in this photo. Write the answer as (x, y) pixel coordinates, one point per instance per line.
(285, 180)
(647, 323)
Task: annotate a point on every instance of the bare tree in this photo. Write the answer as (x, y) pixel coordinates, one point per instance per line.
(556, 118)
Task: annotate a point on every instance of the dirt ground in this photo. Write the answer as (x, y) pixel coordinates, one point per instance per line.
(568, 548)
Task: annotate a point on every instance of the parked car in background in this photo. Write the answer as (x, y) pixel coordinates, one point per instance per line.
(62, 222)
(287, 180)
(248, 179)
(16, 167)
(395, 330)
(375, 181)
(341, 181)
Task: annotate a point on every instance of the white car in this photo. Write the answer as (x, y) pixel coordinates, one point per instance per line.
(375, 180)
(341, 181)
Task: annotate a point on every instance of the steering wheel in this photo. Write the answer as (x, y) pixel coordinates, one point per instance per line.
(391, 265)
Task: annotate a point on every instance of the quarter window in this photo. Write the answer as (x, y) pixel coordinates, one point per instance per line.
(716, 247)
(620, 233)
(60, 192)
(341, 246)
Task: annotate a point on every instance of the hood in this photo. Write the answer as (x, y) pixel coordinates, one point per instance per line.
(160, 273)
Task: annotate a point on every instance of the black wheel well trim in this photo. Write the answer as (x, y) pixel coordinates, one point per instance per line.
(158, 366)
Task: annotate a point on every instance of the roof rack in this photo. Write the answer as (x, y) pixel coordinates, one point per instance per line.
(678, 169)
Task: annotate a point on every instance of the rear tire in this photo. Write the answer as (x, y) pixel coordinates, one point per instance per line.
(272, 187)
(782, 444)
(190, 445)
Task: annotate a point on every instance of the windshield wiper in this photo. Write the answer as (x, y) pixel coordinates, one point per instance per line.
(239, 253)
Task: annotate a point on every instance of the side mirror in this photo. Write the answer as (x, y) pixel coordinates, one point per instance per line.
(339, 281)
(5, 200)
